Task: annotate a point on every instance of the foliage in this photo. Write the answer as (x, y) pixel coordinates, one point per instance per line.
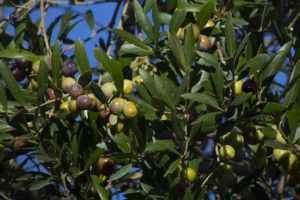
(180, 113)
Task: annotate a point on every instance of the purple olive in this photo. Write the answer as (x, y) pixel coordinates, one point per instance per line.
(22, 63)
(75, 90)
(19, 73)
(69, 68)
(84, 102)
(249, 86)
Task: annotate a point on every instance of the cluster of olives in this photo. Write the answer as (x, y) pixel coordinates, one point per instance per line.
(118, 107)
(20, 69)
(203, 42)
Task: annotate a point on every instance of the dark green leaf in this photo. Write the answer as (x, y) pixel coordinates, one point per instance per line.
(42, 79)
(18, 53)
(93, 157)
(144, 94)
(89, 17)
(56, 64)
(218, 79)
(165, 92)
(149, 82)
(209, 122)
(128, 49)
(11, 83)
(81, 57)
(5, 136)
(297, 135)
(241, 48)
(122, 141)
(103, 59)
(164, 18)
(246, 181)
(96, 89)
(177, 20)
(65, 23)
(274, 144)
(241, 98)
(161, 145)
(202, 98)
(189, 45)
(172, 167)
(142, 19)
(266, 76)
(75, 156)
(139, 101)
(213, 61)
(229, 36)
(117, 74)
(3, 98)
(40, 184)
(120, 173)
(182, 87)
(130, 38)
(271, 107)
(205, 14)
(256, 63)
(293, 90)
(156, 22)
(20, 31)
(176, 48)
(103, 194)
(85, 78)
(293, 117)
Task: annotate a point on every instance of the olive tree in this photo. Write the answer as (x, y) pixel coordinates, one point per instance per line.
(190, 99)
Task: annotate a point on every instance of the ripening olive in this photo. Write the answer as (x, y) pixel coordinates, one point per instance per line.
(117, 105)
(69, 68)
(130, 110)
(106, 166)
(109, 89)
(84, 102)
(127, 86)
(75, 90)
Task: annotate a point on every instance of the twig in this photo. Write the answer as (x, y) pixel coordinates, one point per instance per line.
(80, 3)
(63, 179)
(206, 179)
(47, 102)
(42, 25)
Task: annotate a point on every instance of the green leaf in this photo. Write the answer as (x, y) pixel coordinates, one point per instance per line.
(267, 75)
(139, 101)
(293, 117)
(229, 36)
(117, 74)
(120, 173)
(42, 79)
(172, 167)
(149, 82)
(241, 48)
(65, 23)
(103, 59)
(176, 48)
(89, 17)
(271, 107)
(81, 57)
(218, 79)
(256, 63)
(202, 98)
(182, 87)
(144, 94)
(40, 184)
(189, 45)
(122, 141)
(56, 64)
(274, 144)
(142, 20)
(241, 98)
(93, 157)
(161, 145)
(75, 156)
(11, 83)
(209, 122)
(165, 92)
(128, 49)
(246, 181)
(130, 38)
(3, 98)
(21, 54)
(96, 89)
(156, 22)
(297, 135)
(19, 33)
(164, 18)
(177, 20)
(212, 60)
(205, 14)
(293, 86)
(103, 194)
(85, 78)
